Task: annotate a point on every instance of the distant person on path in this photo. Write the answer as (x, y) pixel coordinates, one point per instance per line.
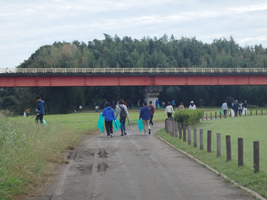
(173, 103)
(152, 112)
(162, 104)
(245, 105)
(113, 104)
(96, 107)
(40, 109)
(109, 116)
(192, 106)
(145, 114)
(122, 111)
(224, 108)
(138, 104)
(169, 110)
(130, 104)
(240, 105)
(27, 111)
(235, 107)
(157, 104)
(105, 103)
(181, 106)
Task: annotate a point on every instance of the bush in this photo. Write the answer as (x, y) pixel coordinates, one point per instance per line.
(188, 117)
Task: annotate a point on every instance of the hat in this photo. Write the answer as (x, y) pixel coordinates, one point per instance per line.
(192, 102)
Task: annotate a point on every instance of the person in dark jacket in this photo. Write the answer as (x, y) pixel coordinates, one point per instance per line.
(40, 109)
(152, 112)
(145, 114)
(109, 116)
(235, 107)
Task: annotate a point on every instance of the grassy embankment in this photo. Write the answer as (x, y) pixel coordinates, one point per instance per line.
(250, 128)
(30, 153)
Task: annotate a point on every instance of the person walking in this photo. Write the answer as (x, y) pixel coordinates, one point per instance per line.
(192, 106)
(173, 103)
(245, 105)
(240, 105)
(169, 110)
(235, 107)
(181, 106)
(152, 112)
(40, 109)
(145, 114)
(122, 111)
(157, 104)
(109, 116)
(224, 108)
(138, 104)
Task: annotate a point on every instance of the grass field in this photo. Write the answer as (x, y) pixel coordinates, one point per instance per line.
(250, 128)
(29, 153)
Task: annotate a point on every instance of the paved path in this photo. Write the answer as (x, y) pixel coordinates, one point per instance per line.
(136, 167)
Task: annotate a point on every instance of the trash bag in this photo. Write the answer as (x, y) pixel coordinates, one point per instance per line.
(159, 106)
(116, 125)
(44, 122)
(100, 123)
(140, 125)
(232, 112)
(221, 112)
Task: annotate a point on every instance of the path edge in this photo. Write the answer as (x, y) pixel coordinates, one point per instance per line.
(251, 192)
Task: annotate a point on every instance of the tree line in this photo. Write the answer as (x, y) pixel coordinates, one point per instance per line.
(116, 52)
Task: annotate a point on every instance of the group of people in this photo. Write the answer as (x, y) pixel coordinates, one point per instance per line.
(146, 114)
(170, 107)
(238, 108)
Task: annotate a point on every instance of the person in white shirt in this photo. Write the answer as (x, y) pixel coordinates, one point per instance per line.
(192, 106)
(169, 110)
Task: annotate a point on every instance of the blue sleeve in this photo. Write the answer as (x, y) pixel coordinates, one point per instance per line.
(141, 114)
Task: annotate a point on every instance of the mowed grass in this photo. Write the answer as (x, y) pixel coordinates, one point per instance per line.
(30, 153)
(250, 128)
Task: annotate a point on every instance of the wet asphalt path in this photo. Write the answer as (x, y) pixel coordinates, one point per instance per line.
(136, 167)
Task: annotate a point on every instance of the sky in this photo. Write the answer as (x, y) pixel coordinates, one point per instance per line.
(26, 25)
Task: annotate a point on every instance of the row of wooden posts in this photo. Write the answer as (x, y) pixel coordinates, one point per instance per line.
(173, 128)
(221, 115)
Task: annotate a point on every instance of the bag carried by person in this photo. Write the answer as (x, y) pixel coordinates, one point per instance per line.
(140, 125)
(116, 125)
(100, 123)
(123, 113)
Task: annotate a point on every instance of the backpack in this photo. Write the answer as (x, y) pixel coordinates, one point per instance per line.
(123, 113)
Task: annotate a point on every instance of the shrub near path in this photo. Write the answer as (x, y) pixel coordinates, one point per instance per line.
(250, 128)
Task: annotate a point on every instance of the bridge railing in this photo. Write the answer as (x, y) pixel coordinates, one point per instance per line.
(134, 70)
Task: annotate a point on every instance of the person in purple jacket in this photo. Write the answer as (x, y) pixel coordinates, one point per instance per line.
(109, 116)
(145, 114)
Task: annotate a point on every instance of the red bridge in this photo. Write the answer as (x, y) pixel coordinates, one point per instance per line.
(47, 77)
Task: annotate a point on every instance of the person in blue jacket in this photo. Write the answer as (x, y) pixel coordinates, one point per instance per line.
(40, 109)
(109, 116)
(145, 114)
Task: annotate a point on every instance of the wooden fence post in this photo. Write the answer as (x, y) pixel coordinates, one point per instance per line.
(228, 148)
(250, 112)
(189, 134)
(175, 129)
(180, 130)
(184, 132)
(201, 139)
(172, 124)
(166, 125)
(195, 137)
(261, 112)
(206, 116)
(240, 152)
(211, 116)
(209, 142)
(256, 112)
(256, 156)
(218, 144)
(215, 115)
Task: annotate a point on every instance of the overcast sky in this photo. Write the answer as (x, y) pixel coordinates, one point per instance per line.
(26, 25)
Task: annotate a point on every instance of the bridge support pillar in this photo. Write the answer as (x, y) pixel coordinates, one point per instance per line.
(151, 93)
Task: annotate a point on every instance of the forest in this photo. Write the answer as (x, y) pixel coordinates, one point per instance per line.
(116, 52)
